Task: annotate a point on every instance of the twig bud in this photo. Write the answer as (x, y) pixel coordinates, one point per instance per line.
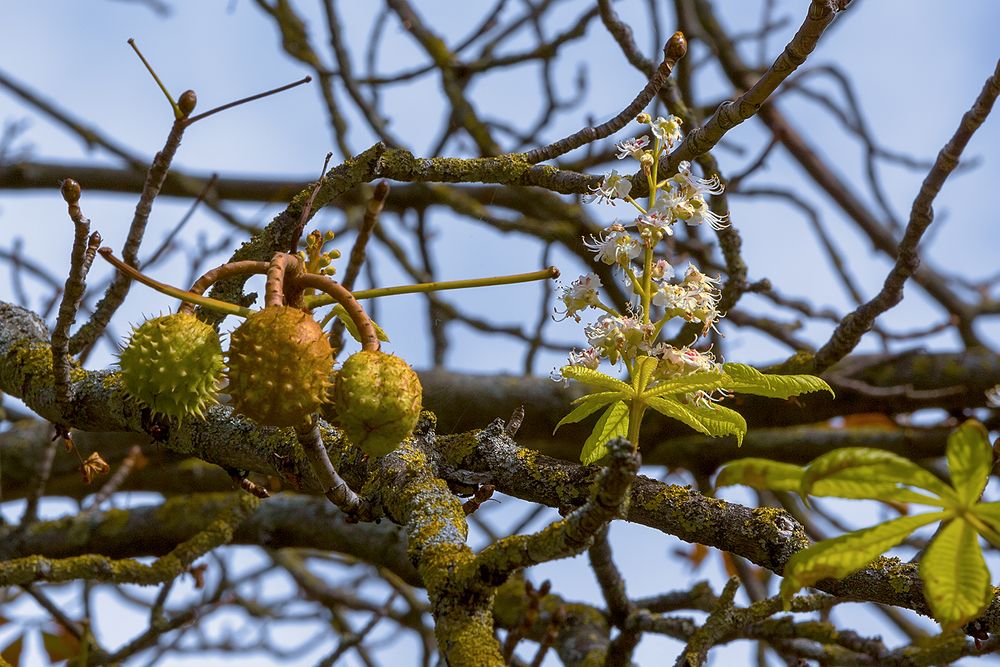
(187, 102)
(70, 190)
(676, 47)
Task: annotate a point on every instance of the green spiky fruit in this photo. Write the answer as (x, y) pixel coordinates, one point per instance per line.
(377, 397)
(173, 364)
(279, 366)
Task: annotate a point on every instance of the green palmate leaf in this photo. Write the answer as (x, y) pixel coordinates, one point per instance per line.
(716, 421)
(588, 406)
(644, 367)
(341, 313)
(749, 380)
(612, 424)
(956, 580)
(595, 378)
(688, 383)
(600, 394)
(986, 516)
(970, 459)
(873, 483)
(841, 556)
(855, 483)
(892, 469)
(760, 474)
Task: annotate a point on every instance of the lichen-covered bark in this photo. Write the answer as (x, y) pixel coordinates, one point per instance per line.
(408, 484)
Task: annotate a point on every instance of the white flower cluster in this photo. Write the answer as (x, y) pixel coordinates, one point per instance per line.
(629, 246)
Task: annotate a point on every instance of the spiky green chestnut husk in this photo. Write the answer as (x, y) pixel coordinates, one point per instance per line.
(173, 364)
(279, 366)
(377, 397)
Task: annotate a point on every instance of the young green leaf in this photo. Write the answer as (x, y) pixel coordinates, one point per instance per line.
(892, 469)
(840, 556)
(588, 406)
(760, 474)
(612, 424)
(749, 380)
(986, 517)
(854, 483)
(970, 459)
(341, 313)
(688, 383)
(594, 378)
(610, 395)
(716, 421)
(644, 368)
(956, 580)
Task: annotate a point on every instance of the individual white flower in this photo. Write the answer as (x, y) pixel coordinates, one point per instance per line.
(712, 186)
(695, 277)
(617, 246)
(633, 147)
(614, 186)
(669, 296)
(993, 397)
(580, 294)
(667, 130)
(701, 213)
(587, 358)
(661, 270)
(654, 225)
(676, 361)
(672, 201)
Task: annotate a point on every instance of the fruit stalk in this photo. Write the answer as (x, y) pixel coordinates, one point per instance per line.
(340, 294)
(334, 486)
(281, 285)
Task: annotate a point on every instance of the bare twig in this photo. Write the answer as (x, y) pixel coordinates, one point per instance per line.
(849, 332)
(673, 51)
(84, 248)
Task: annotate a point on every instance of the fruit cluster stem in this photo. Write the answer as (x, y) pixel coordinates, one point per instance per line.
(343, 296)
(281, 273)
(334, 486)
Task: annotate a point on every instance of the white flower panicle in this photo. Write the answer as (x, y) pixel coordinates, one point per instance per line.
(631, 246)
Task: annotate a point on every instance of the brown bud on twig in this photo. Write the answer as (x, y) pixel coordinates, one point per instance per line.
(187, 102)
(70, 190)
(676, 47)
